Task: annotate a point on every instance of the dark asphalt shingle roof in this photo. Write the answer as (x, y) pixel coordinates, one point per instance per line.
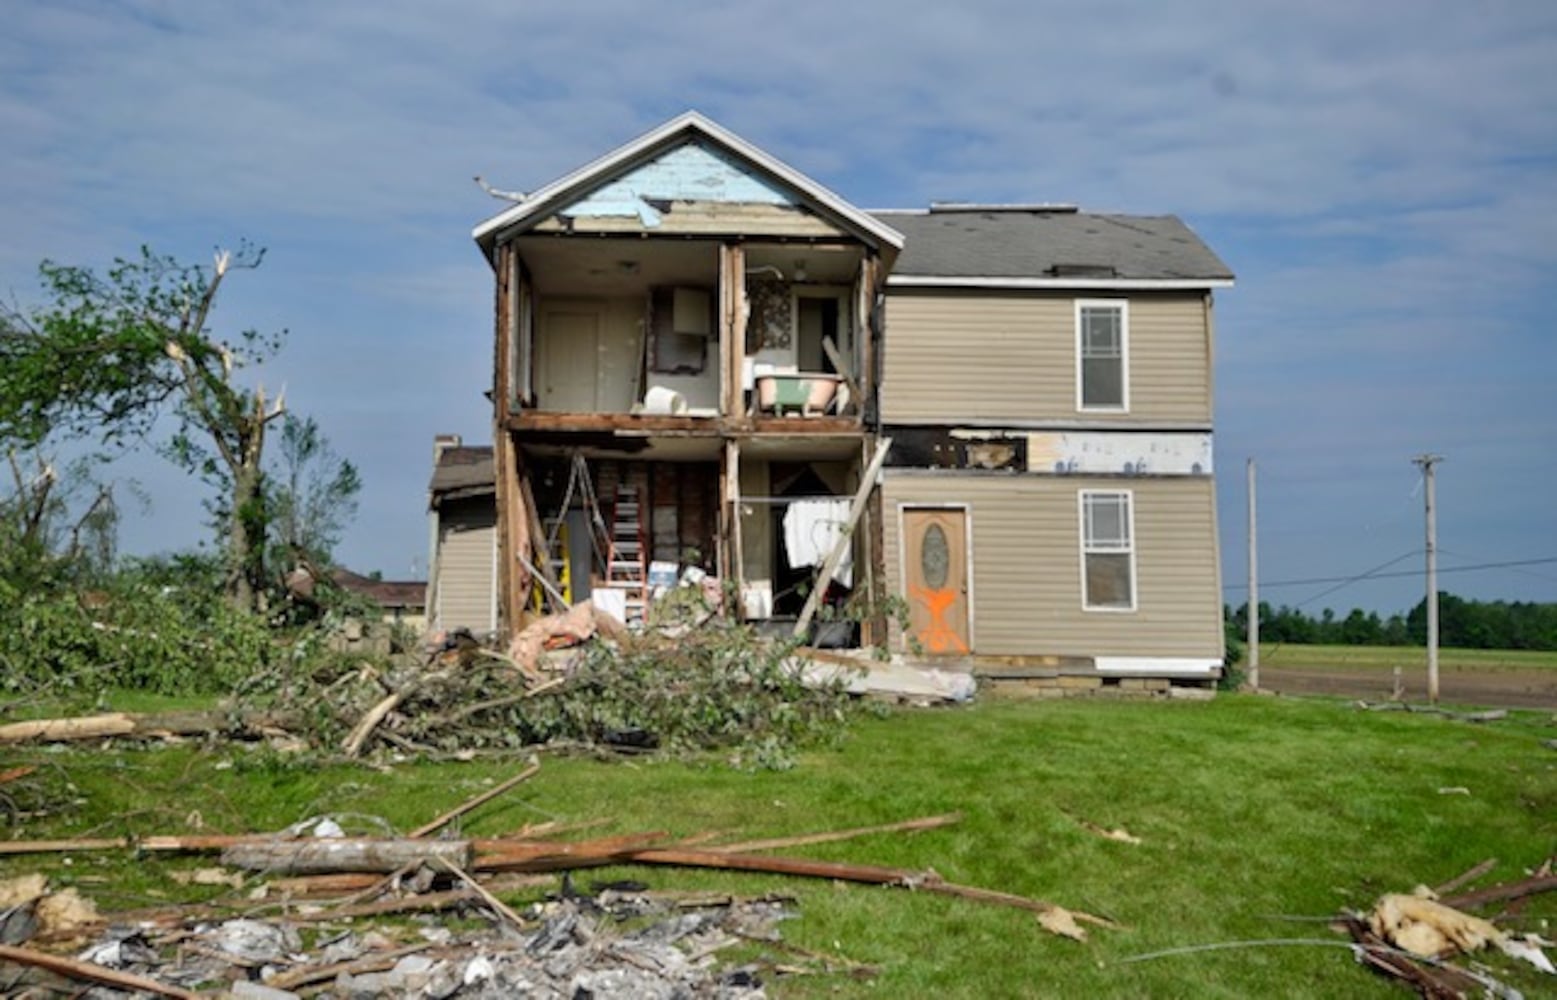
(1009, 243)
(463, 471)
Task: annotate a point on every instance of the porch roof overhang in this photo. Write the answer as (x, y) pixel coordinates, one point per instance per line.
(540, 204)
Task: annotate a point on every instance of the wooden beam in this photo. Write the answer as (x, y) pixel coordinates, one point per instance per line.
(845, 538)
(511, 532)
(732, 469)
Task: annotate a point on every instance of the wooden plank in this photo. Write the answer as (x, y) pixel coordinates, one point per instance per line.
(845, 539)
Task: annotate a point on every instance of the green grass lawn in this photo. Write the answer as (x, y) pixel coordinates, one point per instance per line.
(1388, 657)
(1248, 808)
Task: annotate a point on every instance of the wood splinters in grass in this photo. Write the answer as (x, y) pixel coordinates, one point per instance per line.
(475, 802)
(1466, 878)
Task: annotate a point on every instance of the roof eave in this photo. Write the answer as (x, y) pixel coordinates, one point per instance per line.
(542, 202)
(1089, 284)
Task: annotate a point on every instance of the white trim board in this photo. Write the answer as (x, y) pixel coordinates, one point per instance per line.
(1157, 665)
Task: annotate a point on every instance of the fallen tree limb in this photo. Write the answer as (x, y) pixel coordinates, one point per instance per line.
(156, 724)
(359, 734)
(322, 855)
(476, 802)
(456, 717)
(906, 826)
(91, 972)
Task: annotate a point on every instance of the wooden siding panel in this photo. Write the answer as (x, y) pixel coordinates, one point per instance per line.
(956, 356)
(467, 536)
(1027, 564)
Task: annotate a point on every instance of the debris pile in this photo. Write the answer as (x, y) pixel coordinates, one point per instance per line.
(313, 882)
(620, 942)
(1413, 937)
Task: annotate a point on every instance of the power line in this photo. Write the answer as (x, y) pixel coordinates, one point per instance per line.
(1521, 572)
(1370, 574)
(1376, 575)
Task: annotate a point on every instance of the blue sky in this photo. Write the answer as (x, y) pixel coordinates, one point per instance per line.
(1382, 177)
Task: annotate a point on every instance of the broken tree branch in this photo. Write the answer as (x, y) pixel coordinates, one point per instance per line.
(93, 727)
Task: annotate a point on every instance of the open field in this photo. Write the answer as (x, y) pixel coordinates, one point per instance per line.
(1248, 809)
(1504, 678)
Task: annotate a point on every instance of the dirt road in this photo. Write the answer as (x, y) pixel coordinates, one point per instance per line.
(1496, 687)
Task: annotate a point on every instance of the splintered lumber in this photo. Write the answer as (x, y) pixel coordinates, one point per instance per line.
(322, 855)
(91, 972)
(156, 724)
(926, 881)
(1502, 893)
(63, 846)
(546, 856)
(476, 802)
(906, 826)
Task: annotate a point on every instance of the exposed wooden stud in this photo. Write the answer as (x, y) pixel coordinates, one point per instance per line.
(830, 566)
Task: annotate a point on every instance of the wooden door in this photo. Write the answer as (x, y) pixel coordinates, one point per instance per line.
(935, 575)
(568, 357)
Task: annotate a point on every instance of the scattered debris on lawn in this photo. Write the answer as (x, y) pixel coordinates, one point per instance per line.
(1492, 715)
(312, 882)
(1118, 833)
(1413, 936)
(697, 682)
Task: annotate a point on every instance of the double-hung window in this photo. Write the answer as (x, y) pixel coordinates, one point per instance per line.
(1102, 357)
(1107, 551)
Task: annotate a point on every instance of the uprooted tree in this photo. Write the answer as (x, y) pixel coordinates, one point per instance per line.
(107, 356)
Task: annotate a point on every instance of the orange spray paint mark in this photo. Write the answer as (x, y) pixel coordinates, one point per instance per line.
(937, 636)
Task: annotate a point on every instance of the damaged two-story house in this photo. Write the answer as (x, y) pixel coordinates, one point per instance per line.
(1000, 415)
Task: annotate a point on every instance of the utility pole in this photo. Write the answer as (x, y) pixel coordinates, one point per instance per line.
(1253, 610)
(1427, 461)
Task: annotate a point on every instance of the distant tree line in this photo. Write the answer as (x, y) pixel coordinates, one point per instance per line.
(1463, 624)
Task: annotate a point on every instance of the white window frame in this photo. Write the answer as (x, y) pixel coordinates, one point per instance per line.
(1122, 306)
(1088, 547)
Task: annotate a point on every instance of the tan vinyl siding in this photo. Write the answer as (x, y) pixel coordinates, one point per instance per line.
(1026, 580)
(954, 356)
(467, 536)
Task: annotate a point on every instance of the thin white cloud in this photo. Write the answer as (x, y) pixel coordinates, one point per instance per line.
(1380, 175)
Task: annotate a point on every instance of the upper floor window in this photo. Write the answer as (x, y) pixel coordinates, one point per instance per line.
(1107, 551)
(1102, 357)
